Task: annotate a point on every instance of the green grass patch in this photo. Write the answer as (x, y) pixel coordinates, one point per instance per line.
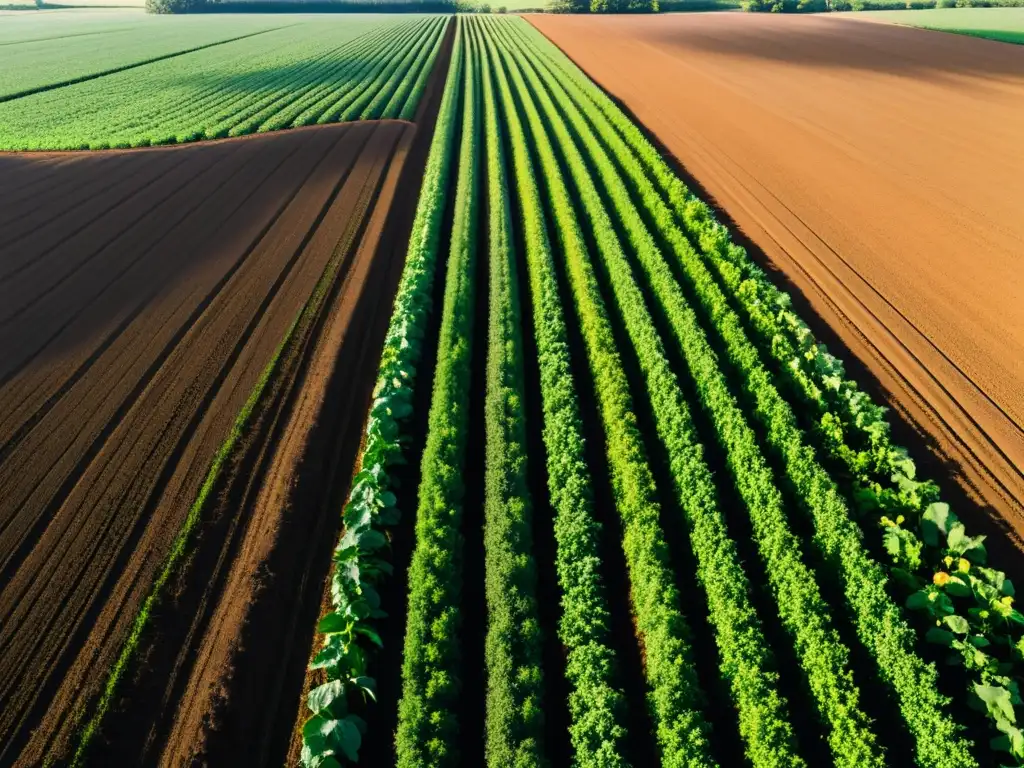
(1005, 25)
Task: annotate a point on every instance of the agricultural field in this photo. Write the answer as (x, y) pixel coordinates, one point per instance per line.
(44, 53)
(939, 326)
(417, 409)
(251, 76)
(1001, 24)
(605, 398)
(174, 323)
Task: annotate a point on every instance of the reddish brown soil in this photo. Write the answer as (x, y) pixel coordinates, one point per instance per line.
(141, 296)
(880, 170)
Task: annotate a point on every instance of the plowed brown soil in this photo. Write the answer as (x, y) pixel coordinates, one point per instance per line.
(880, 169)
(142, 294)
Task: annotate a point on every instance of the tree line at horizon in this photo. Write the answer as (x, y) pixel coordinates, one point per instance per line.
(396, 6)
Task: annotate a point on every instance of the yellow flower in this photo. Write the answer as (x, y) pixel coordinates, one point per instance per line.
(900, 519)
(948, 561)
(1007, 601)
(886, 520)
(940, 578)
(983, 614)
(963, 566)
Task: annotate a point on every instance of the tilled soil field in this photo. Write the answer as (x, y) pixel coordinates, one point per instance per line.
(880, 170)
(143, 294)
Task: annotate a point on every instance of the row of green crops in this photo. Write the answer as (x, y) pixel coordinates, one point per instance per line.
(302, 74)
(427, 724)
(513, 649)
(334, 731)
(720, 419)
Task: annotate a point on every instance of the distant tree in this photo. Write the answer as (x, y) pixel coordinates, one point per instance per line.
(569, 6)
(174, 6)
(623, 6)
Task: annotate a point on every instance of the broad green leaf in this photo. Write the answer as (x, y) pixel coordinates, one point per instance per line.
(367, 684)
(958, 587)
(346, 735)
(957, 624)
(940, 636)
(332, 653)
(333, 622)
(934, 523)
(891, 542)
(321, 697)
(371, 540)
(1011, 741)
(919, 601)
(997, 701)
(370, 633)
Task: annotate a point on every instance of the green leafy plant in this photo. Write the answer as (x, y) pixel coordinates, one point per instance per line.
(334, 733)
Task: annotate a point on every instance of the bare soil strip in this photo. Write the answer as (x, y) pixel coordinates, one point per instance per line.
(142, 300)
(879, 169)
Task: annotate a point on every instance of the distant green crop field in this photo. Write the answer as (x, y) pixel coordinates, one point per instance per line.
(288, 71)
(42, 50)
(1003, 24)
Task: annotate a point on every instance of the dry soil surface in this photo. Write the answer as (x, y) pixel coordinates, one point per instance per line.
(142, 293)
(881, 170)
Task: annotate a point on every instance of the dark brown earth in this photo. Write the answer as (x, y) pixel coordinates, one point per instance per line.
(142, 294)
(879, 171)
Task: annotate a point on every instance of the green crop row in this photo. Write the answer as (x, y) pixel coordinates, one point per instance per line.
(332, 101)
(360, 559)
(71, 49)
(762, 720)
(282, 78)
(936, 566)
(597, 707)
(675, 699)
(407, 97)
(514, 721)
(427, 723)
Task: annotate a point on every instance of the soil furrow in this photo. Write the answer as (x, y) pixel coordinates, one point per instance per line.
(157, 319)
